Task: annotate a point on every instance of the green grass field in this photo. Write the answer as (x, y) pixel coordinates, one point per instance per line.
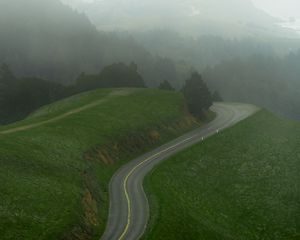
(241, 184)
(56, 164)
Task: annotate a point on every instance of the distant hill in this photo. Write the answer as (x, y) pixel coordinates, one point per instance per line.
(49, 39)
(266, 81)
(227, 18)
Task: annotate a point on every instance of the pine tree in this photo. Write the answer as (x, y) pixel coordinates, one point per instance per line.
(197, 95)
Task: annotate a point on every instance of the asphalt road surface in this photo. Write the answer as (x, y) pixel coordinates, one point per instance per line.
(129, 208)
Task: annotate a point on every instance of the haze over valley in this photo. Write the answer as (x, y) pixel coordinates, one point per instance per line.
(149, 119)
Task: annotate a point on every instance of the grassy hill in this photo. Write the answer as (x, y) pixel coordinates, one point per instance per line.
(56, 164)
(241, 184)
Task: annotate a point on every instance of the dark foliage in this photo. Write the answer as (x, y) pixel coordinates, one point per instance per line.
(273, 83)
(35, 92)
(21, 96)
(216, 97)
(35, 43)
(113, 76)
(197, 94)
(165, 85)
(8, 86)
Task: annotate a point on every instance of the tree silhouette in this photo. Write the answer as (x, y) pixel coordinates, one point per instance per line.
(197, 94)
(165, 85)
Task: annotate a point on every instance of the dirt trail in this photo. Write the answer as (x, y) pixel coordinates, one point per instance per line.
(122, 92)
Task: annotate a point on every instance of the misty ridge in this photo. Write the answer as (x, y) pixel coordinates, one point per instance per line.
(245, 55)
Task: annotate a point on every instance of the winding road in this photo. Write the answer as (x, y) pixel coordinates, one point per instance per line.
(129, 208)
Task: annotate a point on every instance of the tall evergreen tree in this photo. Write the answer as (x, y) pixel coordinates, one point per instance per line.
(197, 94)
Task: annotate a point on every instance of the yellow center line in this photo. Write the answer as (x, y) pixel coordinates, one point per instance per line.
(125, 182)
(131, 172)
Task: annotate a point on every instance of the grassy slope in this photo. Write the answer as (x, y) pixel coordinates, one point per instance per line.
(54, 177)
(241, 184)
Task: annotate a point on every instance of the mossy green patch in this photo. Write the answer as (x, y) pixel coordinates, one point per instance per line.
(240, 184)
(53, 185)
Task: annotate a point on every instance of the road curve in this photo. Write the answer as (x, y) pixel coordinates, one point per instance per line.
(129, 209)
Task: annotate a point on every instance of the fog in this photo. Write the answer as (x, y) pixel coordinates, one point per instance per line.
(86, 85)
(280, 8)
(248, 51)
(230, 18)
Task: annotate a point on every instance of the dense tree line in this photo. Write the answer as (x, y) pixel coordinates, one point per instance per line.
(201, 51)
(273, 83)
(21, 96)
(210, 50)
(113, 76)
(50, 40)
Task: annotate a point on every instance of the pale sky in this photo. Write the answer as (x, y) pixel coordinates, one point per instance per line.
(277, 8)
(287, 10)
(280, 8)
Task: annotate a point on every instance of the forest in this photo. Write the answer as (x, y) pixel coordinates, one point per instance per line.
(65, 48)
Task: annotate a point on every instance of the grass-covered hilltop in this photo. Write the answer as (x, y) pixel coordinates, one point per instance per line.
(240, 184)
(56, 164)
(102, 102)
